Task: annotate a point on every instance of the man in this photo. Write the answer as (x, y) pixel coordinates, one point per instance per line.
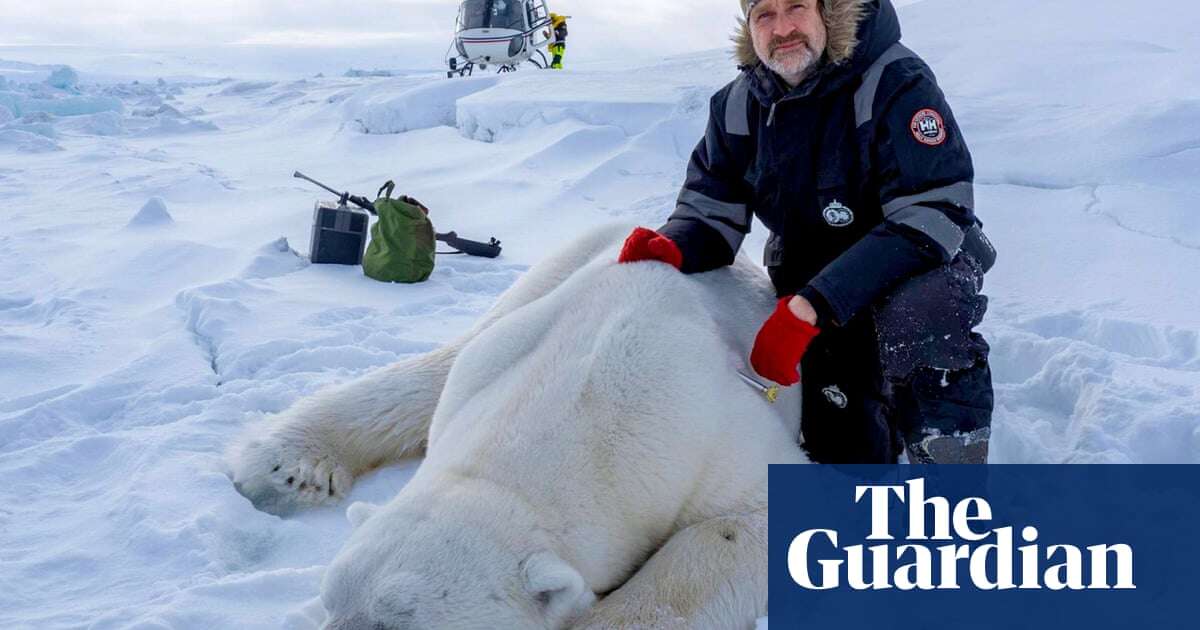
(558, 39)
(838, 138)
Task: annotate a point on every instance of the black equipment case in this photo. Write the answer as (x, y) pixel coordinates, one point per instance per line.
(339, 235)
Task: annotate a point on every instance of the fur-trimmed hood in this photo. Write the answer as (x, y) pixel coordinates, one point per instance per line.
(843, 19)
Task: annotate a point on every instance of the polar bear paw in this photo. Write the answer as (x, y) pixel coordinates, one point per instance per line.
(286, 471)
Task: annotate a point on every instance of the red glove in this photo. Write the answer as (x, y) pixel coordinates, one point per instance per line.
(781, 343)
(646, 244)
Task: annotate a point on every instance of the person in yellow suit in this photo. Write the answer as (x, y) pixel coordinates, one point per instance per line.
(558, 39)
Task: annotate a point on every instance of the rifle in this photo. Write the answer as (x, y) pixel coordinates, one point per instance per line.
(490, 249)
(343, 197)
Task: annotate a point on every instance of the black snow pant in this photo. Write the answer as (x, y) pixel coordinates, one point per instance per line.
(903, 375)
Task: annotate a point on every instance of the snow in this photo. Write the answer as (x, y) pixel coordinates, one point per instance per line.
(64, 78)
(59, 105)
(246, 87)
(26, 142)
(604, 100)
(402, 105)
(155, 296)
(153, 213)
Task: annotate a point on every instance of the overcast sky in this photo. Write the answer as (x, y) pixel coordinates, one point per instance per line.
(656, 26)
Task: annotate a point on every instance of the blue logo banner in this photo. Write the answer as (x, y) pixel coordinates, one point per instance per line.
(982, 547)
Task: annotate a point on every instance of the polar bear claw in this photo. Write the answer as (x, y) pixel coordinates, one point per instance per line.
(285, 472)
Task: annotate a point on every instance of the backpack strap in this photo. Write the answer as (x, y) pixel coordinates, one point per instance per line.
(389, 187)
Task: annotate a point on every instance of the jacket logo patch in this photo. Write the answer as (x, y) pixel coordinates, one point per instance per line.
(835, 397)
(838, 215)
(928, 127)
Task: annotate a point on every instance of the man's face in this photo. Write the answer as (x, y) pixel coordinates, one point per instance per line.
(789, 36)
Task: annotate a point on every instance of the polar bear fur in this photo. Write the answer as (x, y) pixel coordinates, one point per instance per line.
(588, 438)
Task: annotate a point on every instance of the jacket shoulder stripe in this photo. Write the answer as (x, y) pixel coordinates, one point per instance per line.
(933, 224)
(730, 220)
(698, 205)
(960, 194)
(864, 98)
(737, 108)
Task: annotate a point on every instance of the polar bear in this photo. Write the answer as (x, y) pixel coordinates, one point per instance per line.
(591, 458)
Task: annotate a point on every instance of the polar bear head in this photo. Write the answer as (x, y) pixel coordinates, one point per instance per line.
(408, 568)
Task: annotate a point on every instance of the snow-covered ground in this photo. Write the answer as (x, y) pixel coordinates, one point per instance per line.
(155, 297)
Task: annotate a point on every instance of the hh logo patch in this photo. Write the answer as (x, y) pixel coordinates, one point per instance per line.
(835, 396)
(838, 215)
(928, 127)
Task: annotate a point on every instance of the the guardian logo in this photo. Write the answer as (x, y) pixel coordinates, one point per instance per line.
(986, 558)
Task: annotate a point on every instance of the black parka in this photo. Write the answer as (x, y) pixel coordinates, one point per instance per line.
(860, 173)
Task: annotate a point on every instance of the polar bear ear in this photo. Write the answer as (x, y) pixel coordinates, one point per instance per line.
(556, 585)
(359, 512)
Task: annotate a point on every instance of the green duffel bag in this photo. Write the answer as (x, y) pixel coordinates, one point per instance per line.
(402, 245)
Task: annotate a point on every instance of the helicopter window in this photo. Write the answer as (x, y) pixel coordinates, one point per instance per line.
(507, 14)
(475, 14)
(493, 14)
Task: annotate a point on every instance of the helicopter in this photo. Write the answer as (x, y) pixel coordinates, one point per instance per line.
(504, 33)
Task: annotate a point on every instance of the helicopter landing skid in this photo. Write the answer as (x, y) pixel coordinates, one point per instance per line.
(464, 70)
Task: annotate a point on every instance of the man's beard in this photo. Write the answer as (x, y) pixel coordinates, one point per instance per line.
(792, 65)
